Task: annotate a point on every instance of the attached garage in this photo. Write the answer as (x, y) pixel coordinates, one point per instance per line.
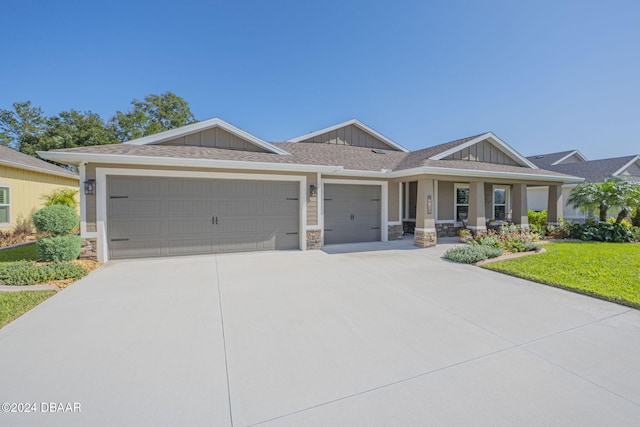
(352, 213)
(156, 216)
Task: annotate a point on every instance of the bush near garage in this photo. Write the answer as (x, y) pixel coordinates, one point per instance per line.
(472, 253)
(24, 273)
(57, 220)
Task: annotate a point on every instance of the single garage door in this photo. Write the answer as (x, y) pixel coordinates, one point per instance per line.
(150, 217)
(351, 213)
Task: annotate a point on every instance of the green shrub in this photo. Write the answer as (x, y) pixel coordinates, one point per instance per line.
(563, 230)
(59, 248)
(635, 217)
(602, 232)
(531, 247)
(56, 219)
(63, 196)
(23, 273)
(538, 221)
(472, 253)
(635, 232)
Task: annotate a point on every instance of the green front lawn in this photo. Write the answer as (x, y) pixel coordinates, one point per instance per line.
(15, 304)
(26, 252)
(609, 271)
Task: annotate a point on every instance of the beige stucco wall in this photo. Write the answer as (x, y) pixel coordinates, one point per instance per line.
(27, 188)
(394, 212)
(445, 200)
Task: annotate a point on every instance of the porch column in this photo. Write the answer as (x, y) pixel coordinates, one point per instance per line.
(555, 204)
(476, 218)
(425, 233)
(519, 208)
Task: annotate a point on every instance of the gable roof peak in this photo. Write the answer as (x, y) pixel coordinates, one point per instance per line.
(460, 144)
(170, 134)
(355, 122)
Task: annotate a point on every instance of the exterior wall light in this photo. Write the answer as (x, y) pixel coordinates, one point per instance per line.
(313, 190)
(90, 186)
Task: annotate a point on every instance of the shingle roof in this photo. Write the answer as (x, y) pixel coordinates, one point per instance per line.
(349, 157)
(594, 170)
(16, 159)
(545, 161)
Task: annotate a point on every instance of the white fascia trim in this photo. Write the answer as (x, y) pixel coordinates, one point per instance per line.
(384, 205)
(76, 158)
(204, 125)
(495, 141)
(354, 122)
(37, 169)
(574, 152)
(480, 174)
(101, 196)
(622, 169)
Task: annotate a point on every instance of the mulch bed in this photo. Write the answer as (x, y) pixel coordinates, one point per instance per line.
(88, 265)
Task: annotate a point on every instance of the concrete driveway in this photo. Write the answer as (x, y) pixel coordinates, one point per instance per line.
(380, 334)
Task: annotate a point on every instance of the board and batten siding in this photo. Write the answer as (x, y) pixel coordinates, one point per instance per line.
(90, 200)
(217, 138)
(485, 152)
(26, 189)
(350, 135)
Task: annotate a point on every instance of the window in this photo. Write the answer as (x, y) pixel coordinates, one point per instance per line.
(5, 216)
(500, 202)
(461, 202)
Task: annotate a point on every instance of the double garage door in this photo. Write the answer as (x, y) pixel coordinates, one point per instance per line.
(150, 216)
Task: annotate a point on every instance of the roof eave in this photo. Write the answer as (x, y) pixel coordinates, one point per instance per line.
(78, 158)
(629, 163)
(434, 170)
(39, 170)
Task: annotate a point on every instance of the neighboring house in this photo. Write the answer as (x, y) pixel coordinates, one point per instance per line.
(211, 187)
(23, 182)
(574, 163)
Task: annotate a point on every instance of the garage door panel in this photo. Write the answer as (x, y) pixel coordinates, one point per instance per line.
(138, 187)
(136, 228)
(135, 248)
(193, 207)
(193, 216)
(190, 187)
(189, 226)
(237, 207)
(190, 246)
(127, 206)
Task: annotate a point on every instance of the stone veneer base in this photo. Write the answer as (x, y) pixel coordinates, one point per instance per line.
(314, 239)
(425, 239)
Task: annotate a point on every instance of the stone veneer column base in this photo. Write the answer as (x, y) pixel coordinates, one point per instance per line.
(314, 239)
(394, 232)
(89, 249)
(425, 238)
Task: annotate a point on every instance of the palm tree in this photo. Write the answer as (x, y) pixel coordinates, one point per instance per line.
(613, 193)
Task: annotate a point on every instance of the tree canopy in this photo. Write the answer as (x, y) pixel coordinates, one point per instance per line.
(614, 193)
(156, 113)
(27, 129)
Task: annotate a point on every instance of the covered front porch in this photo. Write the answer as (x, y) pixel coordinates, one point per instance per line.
(436, 208)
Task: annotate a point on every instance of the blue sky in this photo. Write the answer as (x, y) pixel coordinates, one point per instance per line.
(544, 76)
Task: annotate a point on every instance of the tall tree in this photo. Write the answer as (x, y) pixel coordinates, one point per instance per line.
(613, 193)
(70, 129)
(156, 113)
(23, 124)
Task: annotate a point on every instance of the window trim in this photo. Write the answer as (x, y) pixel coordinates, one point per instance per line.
(507, 200)
(456, 186)
(8, 205)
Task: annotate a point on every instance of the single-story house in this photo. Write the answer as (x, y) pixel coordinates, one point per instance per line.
(573, 162)
(23, 182)
(211, 187)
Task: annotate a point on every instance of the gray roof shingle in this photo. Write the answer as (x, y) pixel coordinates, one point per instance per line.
(349, 157)
(594, 170)
(16, 159)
